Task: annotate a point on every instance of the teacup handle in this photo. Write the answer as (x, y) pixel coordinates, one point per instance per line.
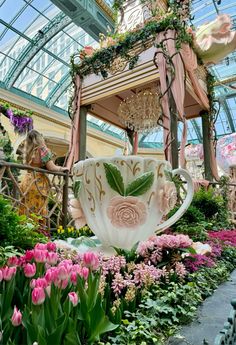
(184, 206)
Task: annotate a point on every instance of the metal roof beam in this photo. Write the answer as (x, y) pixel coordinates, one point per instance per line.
(228, 115)
(57, 24)
(58, 90)
(197, 130)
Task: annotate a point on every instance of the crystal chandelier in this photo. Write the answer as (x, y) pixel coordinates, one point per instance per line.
(142, 111)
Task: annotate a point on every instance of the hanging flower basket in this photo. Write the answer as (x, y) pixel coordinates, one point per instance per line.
(21, 120)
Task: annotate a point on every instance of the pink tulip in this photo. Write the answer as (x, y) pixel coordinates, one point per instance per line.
(40, 255)
(84, 273)
(51, 274)
(38, 295)
(67, 262)
(76, 268)
(1, 275)
(48, 290)
(29, 254)
(62, 272)
(33, 283)
(40, 246)
(73, 298)
(91, 260)
(52, 258)
(8, 272)
(64, 283)
(29, 270)
(13, 261)
(16, 317)
(73, 278)
(51, 246)
(41, 282)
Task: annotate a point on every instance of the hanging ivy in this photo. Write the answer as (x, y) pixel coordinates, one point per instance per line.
(101, 61)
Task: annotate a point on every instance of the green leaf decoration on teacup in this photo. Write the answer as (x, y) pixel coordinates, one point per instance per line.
(140, 185)
(114, 178)
(76, 188)
(135, 188)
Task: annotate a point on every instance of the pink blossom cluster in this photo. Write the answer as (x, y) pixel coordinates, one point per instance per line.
(197, 261)
(226, 236)
(163, 242)
(113, 264)
(216, 249)
(142, 275)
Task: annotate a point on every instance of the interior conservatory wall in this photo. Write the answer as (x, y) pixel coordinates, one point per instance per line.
(56, 129)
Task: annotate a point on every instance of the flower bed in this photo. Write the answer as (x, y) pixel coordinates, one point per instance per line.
(137, 296)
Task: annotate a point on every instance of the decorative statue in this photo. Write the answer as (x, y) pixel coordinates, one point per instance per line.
(123, 199)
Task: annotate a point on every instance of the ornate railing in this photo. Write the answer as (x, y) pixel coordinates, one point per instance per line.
(227, 336)
(56, 201)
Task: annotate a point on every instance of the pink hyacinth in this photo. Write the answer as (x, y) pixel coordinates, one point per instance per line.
(8, 272)
(16, 318)
(73, 298)
(180, 269)
(91, 260)
(29, 270)
(38, 295)
(113, 264)
(118, 284)
(40, 255)
(52, 258)
(51, 246)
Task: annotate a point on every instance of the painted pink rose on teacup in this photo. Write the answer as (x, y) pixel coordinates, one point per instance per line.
(167, 197)
(126, 212)
(77, 213)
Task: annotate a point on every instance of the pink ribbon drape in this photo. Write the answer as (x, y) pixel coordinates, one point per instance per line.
(177, 89)
(73, 155)
(190, 63)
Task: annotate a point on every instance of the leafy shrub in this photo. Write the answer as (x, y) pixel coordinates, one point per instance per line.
(192, 215)
(196, 232)
(15, 230)
(207, 203)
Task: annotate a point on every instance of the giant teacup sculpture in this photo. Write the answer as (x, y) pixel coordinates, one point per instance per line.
(124, 198)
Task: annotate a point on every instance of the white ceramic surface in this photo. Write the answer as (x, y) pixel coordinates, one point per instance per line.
(121, 220)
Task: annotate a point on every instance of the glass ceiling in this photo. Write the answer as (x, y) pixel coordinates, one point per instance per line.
(37, 40)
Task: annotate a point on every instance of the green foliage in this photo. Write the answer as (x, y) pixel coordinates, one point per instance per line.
(15, 230)
(206, 202)
(114, 178)
(102, 60)
(191, 216)
(77, 188)
(192, 223)
(140, 185)
(6, 253)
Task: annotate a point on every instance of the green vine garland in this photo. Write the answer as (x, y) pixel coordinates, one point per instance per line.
(102, 59)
